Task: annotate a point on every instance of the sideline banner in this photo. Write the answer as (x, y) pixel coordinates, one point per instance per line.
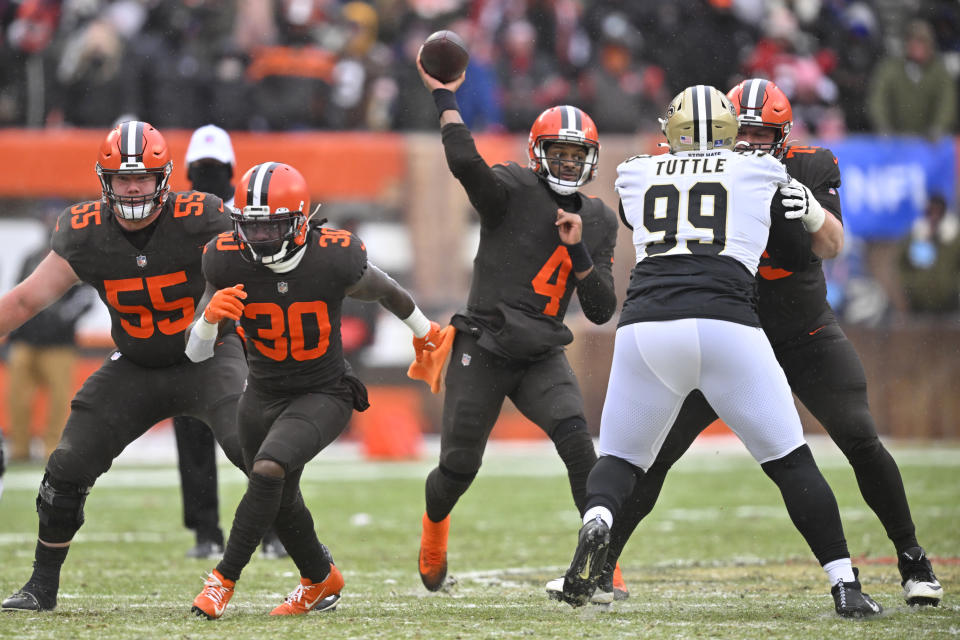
(886, 181)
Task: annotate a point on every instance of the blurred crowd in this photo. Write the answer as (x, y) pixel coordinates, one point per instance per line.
(268, 65)
(847, 66)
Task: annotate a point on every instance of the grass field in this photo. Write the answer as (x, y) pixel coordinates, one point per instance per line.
(718, 558)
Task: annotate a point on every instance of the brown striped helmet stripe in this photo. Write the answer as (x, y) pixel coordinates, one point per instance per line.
(131, 141)
(259, 185)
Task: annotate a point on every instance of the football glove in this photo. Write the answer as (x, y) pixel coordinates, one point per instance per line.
(801, 204)
(429, 342)
(225, 303)
(430, 367)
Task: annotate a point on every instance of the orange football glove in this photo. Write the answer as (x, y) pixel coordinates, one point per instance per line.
(430, 368)
(226, 303)
(429, 342)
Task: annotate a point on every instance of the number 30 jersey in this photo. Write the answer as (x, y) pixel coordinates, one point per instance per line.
(152, 292)
(291, 321)
(700, 221)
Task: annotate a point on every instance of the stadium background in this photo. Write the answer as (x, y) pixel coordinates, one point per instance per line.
(329, 87)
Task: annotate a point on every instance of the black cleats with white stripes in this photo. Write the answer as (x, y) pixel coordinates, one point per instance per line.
(920, 586)
(851, 602)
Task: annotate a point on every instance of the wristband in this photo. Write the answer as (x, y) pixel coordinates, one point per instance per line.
(445, 100)
(417, 322)
(815, 217)
(202, 338)
(205, 329)
(579, 257)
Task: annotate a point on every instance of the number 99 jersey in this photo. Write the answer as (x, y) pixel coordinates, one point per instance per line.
(700, 221)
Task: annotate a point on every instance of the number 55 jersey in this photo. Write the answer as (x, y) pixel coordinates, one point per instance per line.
(700, 222)
(151, 292)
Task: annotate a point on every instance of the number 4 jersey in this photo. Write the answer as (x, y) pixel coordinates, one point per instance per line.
(151, 292)
(700, 222)
(291, 321)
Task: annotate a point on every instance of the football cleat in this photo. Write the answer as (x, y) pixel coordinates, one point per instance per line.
(433, 552)
(920, 586)
(580, 581)
(310, 596)
(610, 587)
(851, 602)
(212, 601)
(31, 597)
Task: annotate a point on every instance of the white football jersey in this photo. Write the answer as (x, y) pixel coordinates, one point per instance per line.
(713, 203)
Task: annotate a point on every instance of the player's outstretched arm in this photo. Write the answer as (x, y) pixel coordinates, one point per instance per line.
(52, 278)
(377, 286)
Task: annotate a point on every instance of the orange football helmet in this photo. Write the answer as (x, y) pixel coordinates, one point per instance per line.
(761, 103)
(563, 124)
(270, 216)
(133, 148)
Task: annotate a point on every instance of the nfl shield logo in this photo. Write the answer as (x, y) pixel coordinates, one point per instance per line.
(465, 359)
(141, 261)
(282, 287)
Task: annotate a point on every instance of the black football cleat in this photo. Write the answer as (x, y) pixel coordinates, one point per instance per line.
(920, 586)
(31, 597)
(851, 602)
(580, 580)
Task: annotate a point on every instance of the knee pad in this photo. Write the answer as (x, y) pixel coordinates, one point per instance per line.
(457, 477)
(574, 444)
(862, 450)
(571, 428)
(798, 459)
(60, 508)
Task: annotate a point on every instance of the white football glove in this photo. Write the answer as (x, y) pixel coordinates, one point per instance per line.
(800, 203)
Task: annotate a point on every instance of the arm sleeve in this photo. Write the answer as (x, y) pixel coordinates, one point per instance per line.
(595, 292)
(487, 193)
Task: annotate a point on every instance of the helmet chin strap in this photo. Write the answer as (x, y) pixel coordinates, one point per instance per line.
(287, 265)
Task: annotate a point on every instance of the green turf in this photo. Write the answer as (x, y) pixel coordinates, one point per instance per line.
(718, 558)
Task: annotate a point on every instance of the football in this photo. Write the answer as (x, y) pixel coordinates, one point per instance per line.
(444, 56)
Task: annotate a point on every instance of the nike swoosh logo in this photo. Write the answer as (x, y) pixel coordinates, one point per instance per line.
(817, 330)
(320, 597)
(219, 610)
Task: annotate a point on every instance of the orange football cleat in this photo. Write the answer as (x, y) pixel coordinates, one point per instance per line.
(433, 552)
(313, 596)
(213, 600)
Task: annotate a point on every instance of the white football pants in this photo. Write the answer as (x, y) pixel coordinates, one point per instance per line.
(656, 364)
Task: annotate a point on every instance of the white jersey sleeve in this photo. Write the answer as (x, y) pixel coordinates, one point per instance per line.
(700, 203)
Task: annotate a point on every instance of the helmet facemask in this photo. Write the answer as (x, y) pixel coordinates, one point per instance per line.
(562, 184)
(781, 131)
(141, 206)
(269, 238)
